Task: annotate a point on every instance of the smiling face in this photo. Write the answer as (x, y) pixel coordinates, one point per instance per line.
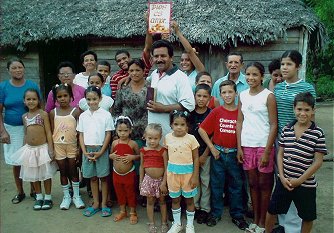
(162, 59)
(136, 73)
(303, 112)
(31, 100)
(185, 63)
(66, 75)
(122, 61)
(93, 100)
(179, 126)
(234, 64)
(289, 69)
(254, 77)
(103, 70)
(276, 76)
(16, 70)
(89, 62)
(95, 81)
(228, 94)
(63, 98)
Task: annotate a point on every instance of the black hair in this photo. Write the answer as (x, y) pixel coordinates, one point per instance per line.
(118, 52)
(235, 54)
(305, 97)
(89, 52)
(123, 120)
(203, 86)
(179, 113)
(165, 44)
(294, 55)
(14, 59)
(38, 97)
(257, 65)
(138, 62)
(104, 63)
(200, 74)
(274, 65)
(59, 87)
(96, 74)
(65, 64)
(95, 89)
(227, 83)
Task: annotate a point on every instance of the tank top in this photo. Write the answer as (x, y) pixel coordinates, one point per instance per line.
(65, 129)
(153, 158)
(36, 120)
(123, 149)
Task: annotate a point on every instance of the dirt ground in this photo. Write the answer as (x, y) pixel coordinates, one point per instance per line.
(21, 218)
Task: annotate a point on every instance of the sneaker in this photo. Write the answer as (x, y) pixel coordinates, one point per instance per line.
(38, 205)
(251, 228)
(164, 227)
(78, 202)
(240, 222)
(190, 229)
(152, 228)
(176, 228)
(65, 204)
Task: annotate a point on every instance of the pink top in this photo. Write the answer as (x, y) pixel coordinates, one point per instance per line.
(78, 94)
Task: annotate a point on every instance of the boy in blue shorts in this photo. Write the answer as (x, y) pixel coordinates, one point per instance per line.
(301, 150)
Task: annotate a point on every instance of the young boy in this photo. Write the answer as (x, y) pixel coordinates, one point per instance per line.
(301, 150)
(275, 75)
(202, 199)
(103, 67)
(221, 123)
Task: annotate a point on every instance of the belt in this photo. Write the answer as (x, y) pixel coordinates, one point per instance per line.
(225, 150)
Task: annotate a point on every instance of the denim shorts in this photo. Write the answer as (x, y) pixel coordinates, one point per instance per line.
(99, 168)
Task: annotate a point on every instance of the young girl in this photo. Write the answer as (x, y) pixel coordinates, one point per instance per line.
(205, 78)
(96, 79)
(256, 133)
(63, 124)
(123, 153)
(153, 177)
(36, 155)
(182, 168)
(95, 126)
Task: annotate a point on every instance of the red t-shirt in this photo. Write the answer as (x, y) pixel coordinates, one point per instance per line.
(222, 124)
(153, 158)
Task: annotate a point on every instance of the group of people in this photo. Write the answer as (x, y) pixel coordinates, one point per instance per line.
(196, 141)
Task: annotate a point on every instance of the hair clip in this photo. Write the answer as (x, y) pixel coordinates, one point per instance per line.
(123, 118)
(65, 84)
(57, 85)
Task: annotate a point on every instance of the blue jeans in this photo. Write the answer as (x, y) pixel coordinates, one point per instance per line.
(226, 167)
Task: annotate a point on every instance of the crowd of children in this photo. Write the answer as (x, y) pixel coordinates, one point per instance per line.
(202, 159)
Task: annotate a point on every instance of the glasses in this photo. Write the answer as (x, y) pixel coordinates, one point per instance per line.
(65, 74)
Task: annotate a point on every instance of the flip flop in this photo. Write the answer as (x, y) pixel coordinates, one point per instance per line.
(18, 198)
(120, 216)
(90, 211)
(106, 212)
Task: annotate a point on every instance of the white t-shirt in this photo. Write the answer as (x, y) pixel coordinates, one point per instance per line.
(255, 127)
(81, 80)
(93, 125)
(106, 103)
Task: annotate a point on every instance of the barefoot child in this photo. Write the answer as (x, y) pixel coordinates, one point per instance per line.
(256, 133)
(202, 199)
(301, 150)
(123, 153)
(36, 155)
(221, 122)
(95, 126)
(152, 181)
(182, 169)
(63, 121)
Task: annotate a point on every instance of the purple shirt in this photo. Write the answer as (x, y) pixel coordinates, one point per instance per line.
(78, 94)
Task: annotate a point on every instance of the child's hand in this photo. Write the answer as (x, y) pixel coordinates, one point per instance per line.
(295, 183)
(240, 156)
(51, 154)
(215, 153)
(264, 161)
(4, 137)
(114, 156)
(127, 158)
(163, 189)
(96, 155)
(202, 159)
(89, 155)
(286, 183)
(193, 182)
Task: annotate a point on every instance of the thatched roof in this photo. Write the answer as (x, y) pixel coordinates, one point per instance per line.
(216, 22)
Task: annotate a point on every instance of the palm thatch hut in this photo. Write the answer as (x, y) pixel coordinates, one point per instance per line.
(46, 32)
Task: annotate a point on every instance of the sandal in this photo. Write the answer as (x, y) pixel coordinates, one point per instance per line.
(120, 216)
(133, 218)
(164, 227)
(106, 212)
(90, 211)
(18, 198)
(38, 205)
(47, 204)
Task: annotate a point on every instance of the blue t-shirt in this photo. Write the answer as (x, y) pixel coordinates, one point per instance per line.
(11, 97)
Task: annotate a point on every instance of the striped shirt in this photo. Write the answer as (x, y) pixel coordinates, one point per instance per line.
(299, 153)
(285, 94)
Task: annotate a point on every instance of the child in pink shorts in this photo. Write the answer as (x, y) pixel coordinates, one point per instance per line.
(152, 175)
(256, 133)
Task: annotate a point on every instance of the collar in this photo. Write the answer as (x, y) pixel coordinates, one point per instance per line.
(241, 78)
(292, 124)
(289, 84)
(169, 72)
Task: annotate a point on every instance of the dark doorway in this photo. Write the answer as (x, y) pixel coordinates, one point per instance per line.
(54, 52)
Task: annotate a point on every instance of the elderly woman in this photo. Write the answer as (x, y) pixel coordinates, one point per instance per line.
(66, 74)
(11, 125)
